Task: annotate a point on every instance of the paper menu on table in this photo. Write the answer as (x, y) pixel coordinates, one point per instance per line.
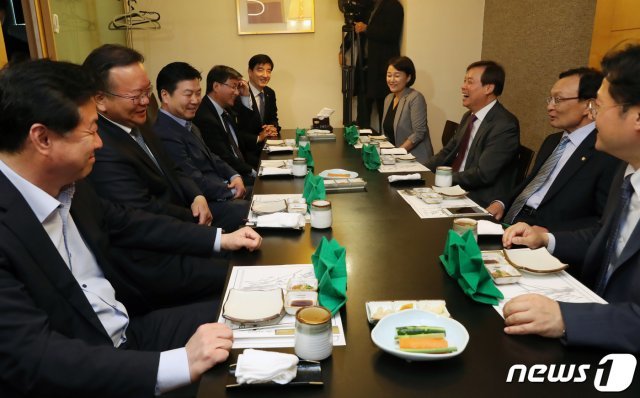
(559, 286)
(270, 277)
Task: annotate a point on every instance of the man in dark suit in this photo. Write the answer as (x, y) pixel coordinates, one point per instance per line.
(568, 186)
(69, 324)
(608, 255)
(178, 85)
(132, 169)
(219, 125)
(483, 150)
(257, 109)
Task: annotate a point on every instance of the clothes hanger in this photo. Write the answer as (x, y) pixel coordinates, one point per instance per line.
(138, 20)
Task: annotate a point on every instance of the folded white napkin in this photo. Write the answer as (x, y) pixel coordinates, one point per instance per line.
(385, 145)
(280, 220)
(365, 132)
(317, 131)
(393, 151)
(279, 149)
(486, 227)
(407, 177)
(258, 366)
(274, 171)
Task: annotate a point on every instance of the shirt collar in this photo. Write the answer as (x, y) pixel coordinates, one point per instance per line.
(482, 113)
(635, 178)
(179, 120)
(219, 109)
(254, 90)
(577, 136)
(42, 204)
(122, 126)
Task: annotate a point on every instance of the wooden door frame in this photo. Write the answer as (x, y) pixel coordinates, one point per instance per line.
(39, 28)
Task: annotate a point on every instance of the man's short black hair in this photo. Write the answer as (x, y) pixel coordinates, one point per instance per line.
(41, 91)
(174, 73)
(260, 59)
(493, 74)
(621, 67)
(109, 56)
(404, 64)
(590, 81)
(220, 74)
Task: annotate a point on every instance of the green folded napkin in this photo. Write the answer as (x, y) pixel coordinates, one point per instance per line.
(463, 262)
(351, 134)
(300, 132)
(370, 157)
(305, 152)
(330, 266)
(313, 189)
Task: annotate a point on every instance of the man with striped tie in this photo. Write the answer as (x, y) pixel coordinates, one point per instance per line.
(607, 256)
(569, 183)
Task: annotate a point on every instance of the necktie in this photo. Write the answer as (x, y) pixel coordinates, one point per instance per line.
(261, 106)
(464, 143)
(535, 184)
(626, 191)
(135, 133)
(226, 118)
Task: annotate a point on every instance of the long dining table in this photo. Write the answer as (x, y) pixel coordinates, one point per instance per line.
(392, 254)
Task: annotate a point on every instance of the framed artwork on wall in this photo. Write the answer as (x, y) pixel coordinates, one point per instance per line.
(257, 17)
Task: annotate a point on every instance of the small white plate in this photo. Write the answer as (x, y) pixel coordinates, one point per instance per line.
(259, 207)
(338, 173)
(254, 307)
(405, 158)
(383, 335)
(454, 191)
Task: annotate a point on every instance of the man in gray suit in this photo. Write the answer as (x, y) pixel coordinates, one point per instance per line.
(178, 85)
(483, 150)
(607, 256)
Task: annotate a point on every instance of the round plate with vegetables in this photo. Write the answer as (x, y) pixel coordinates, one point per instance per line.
(420, 336)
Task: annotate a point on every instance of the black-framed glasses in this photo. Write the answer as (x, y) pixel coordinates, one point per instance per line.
(234, 88)
(594, 108)
(136, 99)
(559, 100)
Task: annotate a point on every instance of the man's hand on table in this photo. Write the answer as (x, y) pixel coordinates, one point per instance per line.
(525, 235)
(533, 314)
(245, 238)
(208, 346)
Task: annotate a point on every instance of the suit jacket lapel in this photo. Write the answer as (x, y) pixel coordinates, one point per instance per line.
(401, 103)
(255, 107)
(21, 220)
(485, 125)
(573, 164)
(127, 142)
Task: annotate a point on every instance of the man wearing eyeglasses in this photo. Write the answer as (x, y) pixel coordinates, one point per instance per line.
(133, 169)
(569, 183)
(219, 125)
(607, 256)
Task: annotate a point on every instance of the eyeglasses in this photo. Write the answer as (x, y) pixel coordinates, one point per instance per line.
(234, 88)
(558, 100)
(136, 99)
(594, 108)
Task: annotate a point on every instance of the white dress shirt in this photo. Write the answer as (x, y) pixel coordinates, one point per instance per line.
(630, 221)
(480, 115)
(53, 214)
(575, 139)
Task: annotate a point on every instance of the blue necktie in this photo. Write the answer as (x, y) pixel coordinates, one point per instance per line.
(539, 180)
(135, 133)
(626, 191)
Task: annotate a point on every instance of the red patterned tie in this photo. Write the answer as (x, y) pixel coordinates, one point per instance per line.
(464, 143)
